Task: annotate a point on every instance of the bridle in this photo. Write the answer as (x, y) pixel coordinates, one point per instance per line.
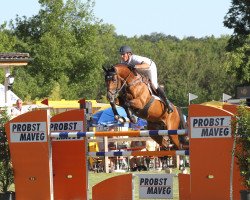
(115, 93)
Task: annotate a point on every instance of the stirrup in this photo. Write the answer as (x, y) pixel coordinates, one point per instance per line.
(170, 110)
(169, 107)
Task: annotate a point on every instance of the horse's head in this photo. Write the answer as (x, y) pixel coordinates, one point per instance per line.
(116, 78)
(112, 83)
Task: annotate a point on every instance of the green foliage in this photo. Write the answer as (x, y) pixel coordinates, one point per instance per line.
(6, 172)
(243, 140)
(69, 47)
(65, 44)
(239, 62)
(7, 44)
(238, 19)
(56, 92)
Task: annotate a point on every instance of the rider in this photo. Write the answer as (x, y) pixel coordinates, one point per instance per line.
(145, 66)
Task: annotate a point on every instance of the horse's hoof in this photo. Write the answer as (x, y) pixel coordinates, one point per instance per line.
(121, 119)
(133, 119)
(184, 171)
(168, 170)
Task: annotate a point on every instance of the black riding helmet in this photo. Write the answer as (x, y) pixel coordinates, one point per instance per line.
(125, 49)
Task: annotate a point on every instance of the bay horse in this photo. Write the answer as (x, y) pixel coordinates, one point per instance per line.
(130, 89)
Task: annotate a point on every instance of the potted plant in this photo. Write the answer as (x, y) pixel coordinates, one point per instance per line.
(6, 171)
(242, 152)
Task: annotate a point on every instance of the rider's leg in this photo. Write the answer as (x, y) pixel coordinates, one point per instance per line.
(163, 96)
(152, 75)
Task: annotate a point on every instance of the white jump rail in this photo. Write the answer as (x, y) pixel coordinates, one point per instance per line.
(119, 133)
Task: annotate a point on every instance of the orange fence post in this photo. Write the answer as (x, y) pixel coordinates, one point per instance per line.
(69, 157)
(30, 154)
(211, 145)
(118, 187)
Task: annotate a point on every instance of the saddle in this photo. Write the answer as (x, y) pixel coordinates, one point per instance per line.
(148, 82)
(153, 90)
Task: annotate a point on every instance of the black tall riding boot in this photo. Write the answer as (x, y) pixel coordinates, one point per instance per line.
(162, 95)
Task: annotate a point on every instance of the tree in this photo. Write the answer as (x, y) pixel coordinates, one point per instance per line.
(6, 172)
(7, 44)
(63, 39)
(238, 19)
(69, 47)
(242, 153)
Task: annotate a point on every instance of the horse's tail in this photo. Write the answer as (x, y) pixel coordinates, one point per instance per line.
(184, 140)
(182, 124)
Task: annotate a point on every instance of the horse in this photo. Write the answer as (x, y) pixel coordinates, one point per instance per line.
(130, 90)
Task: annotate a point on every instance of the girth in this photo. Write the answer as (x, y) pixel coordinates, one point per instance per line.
(144, 112)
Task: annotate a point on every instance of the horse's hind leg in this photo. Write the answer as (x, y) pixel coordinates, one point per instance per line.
(162, 141)
(175, 140)
(172, 123)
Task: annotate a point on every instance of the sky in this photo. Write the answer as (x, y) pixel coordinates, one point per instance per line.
(180, 18)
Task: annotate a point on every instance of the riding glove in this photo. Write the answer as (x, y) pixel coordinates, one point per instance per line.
(131, 67)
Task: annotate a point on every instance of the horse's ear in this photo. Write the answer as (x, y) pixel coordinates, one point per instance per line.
(104, 69)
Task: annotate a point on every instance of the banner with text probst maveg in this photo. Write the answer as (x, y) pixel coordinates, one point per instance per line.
(155, 186)
(211, 127)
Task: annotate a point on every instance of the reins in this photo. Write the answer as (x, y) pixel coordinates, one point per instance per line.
(124, 82)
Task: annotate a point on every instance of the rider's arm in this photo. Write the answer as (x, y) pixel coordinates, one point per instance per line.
(142, 66)
(140, 62)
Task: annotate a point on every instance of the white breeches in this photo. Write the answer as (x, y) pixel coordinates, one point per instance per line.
(151, 73)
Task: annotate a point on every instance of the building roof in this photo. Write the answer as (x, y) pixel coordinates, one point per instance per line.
(14, 59)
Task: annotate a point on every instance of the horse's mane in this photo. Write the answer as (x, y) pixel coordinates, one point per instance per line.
(118, 66)
(122, 70)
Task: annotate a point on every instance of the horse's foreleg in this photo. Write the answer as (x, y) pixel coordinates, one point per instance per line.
(126, 104)
(172, 123)
(116, 114)
(131, 117)
(113, 106)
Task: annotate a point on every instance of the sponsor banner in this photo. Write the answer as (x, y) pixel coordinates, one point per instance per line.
(211, 127)
(243, 92)
(67, 126)
(155, 186)
(28, 132)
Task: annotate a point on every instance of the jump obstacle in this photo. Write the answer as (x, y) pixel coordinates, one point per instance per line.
(49, 165)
